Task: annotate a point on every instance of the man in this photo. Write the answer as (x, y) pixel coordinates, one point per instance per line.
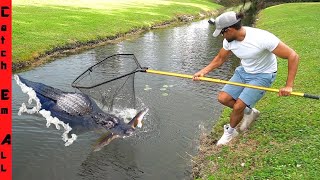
(257, 50)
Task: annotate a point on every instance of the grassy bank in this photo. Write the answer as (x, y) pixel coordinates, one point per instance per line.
(284, 143)
(44, 27)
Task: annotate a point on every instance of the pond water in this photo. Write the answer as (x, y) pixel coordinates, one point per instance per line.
(180, 110)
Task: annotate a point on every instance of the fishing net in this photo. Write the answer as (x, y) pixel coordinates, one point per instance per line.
(111, 81)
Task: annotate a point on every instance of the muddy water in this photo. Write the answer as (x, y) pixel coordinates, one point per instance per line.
(179, 110)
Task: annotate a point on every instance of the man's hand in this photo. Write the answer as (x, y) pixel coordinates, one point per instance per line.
(285, 52)
(215, 63)
(197, 75)
(286, 91)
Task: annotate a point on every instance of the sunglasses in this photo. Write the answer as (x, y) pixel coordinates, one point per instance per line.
(224, 30)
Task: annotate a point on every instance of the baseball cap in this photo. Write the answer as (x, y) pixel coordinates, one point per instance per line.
(225, 20)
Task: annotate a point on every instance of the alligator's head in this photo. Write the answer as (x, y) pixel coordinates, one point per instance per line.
(121, 130)
(135, 122)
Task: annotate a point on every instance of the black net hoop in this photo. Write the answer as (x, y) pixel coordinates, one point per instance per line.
(111, 81)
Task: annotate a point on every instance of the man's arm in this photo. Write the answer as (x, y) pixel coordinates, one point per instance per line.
(285, 52)
(215, 63)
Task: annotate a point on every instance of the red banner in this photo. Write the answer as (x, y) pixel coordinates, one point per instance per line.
(5, 89)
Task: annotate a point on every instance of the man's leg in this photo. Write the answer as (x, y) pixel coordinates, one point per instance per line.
(237, 113)
(252, 96)
(229, 97)
(236, 116)
(226, 99)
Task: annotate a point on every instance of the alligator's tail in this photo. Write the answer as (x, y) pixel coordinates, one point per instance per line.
(42, 89)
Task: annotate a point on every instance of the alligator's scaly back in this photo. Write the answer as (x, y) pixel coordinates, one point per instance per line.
(71, 103)
(42, 89)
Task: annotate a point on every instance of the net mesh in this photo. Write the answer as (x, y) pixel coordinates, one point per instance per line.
(111, 81)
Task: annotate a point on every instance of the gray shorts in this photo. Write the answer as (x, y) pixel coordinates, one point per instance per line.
(249, 96)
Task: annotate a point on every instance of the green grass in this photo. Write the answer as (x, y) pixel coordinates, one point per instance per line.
(284, 143)
(41, 26)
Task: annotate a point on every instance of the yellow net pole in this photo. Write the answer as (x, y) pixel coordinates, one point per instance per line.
(218, 81)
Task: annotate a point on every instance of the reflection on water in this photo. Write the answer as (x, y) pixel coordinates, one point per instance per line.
(162, 148)
(120, 162)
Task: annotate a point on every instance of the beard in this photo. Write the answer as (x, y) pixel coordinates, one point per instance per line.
(230, 39)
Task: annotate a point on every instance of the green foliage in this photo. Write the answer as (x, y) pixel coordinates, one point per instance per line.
(284, 143)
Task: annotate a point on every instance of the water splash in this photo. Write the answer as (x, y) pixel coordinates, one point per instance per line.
(127, 114)
(46, 114)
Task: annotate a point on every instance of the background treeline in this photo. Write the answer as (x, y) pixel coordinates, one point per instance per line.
(256, 6)
(261, 3)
